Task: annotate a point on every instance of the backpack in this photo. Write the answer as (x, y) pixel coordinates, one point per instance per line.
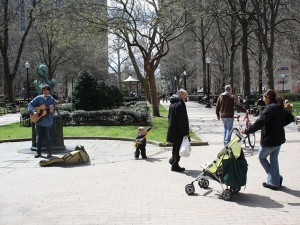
(78, 156)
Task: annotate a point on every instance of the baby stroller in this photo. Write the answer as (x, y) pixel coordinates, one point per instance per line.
(229, 168)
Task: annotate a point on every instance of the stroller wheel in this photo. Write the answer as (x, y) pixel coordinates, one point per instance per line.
(235, 189)
(200, 182)
(226, 195)
(190, 189)
(205, 183)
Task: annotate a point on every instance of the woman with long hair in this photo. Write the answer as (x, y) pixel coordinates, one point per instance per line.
(271, 123)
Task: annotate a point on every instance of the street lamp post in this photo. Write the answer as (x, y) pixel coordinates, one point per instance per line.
(184, 79)
(27, 65)
(208, 83)
(175, 83)
(283, 76)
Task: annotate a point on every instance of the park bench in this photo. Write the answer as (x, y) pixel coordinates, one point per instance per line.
(11, 107)
(3, 108)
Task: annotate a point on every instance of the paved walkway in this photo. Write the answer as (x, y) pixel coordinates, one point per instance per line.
(115, 189)
(9, 118)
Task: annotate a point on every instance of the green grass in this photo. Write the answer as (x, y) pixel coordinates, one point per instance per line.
(296, 106)
(158, 132)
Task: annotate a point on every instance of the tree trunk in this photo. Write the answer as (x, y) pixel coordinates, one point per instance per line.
(231, 67)
(245, 59)
(8, 78)
(142, 80)
(152, 88)
(203, 58)
(260, 66)
(269, 69)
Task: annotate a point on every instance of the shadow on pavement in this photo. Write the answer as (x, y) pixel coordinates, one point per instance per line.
(152, 160)
(254, 200)
(192, 173)
(290, 191)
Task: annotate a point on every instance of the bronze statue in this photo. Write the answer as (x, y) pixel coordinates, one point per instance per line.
(42, 71)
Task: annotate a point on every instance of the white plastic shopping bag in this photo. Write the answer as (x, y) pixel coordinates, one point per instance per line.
(185, 148)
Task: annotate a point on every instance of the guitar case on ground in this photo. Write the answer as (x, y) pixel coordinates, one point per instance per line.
(78, 156)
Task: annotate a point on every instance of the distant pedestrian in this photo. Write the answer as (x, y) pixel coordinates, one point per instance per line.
(164, 97)
(260, 106)
(271, 123)
(226, 104)
(240, 100)
(178, 126)
(140, 142)
(246, 103)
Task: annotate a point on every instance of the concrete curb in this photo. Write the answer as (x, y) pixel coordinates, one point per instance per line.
(160, 144)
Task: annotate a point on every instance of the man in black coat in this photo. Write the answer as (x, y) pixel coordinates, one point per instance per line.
(178, 126)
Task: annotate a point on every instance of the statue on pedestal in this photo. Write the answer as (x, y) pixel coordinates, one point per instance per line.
(57, 128)
(42, 71)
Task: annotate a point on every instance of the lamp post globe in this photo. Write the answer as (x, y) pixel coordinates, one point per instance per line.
(208, 61)
(27, 65)
(184, 79)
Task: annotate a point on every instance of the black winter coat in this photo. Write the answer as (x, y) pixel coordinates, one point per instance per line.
(272, 122)
(178, 120)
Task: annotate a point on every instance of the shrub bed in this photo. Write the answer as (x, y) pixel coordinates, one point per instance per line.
(134, 113)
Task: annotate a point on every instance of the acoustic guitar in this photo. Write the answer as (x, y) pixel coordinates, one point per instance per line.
(42, 111)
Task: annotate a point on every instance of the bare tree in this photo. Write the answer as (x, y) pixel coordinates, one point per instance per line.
(229, 34)
(148, 26)
(118, 57)
(11, 58)
(272, 16)
(242, 11)
(202, 13)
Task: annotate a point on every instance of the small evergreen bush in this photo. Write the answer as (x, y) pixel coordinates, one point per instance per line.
(86, 94)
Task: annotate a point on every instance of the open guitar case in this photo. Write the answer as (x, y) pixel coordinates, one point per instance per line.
(78, 156)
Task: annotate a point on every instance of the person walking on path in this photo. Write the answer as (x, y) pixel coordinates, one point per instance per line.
(178, 126)
(271, 122)
(226, 104)
(43, 125)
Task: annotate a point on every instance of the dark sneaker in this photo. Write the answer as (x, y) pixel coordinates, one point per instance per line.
(38, 154)
(49, 156)
(269, 186)
(280, 182)
(177, 169)
(145, 157)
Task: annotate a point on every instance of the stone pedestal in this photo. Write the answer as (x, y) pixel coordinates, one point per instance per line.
(57, 135)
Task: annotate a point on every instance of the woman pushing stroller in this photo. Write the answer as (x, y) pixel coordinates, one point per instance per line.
(271, 123)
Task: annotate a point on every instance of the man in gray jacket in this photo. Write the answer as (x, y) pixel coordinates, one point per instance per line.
(225, 110)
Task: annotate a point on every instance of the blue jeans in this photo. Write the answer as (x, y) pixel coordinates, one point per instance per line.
(228, 124)
(272, 167)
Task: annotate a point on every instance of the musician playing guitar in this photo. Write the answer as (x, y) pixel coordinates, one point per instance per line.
(41, 109)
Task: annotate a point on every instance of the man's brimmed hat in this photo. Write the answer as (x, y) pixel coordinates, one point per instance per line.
(46, 86)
